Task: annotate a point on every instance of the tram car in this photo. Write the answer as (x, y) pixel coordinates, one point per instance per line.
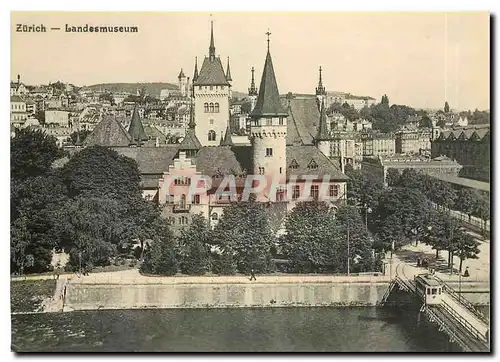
(428, 288)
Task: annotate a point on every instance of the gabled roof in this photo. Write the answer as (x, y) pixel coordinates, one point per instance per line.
(211, 73)
(190, 141)
(311, 161)
(108, 132)
(16, 99)
(136, 129)
(296, 132)
(217, 160)
(151, 160)
(268, 101)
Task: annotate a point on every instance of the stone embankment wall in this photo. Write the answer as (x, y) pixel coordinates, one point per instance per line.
(123, 296)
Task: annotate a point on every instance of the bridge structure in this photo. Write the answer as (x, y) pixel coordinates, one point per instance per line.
(454, 315)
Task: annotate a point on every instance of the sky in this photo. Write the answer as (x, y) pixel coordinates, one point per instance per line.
(421, 59)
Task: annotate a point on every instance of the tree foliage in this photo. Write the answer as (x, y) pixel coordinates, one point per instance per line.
(194, 250)
(99, 170)
(32, 153)
(243, 236)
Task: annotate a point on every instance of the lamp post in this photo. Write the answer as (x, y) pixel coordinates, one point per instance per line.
(80, 262)
(348, 253)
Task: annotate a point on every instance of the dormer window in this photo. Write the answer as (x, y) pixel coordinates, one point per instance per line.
(294, 164)
(312, 165)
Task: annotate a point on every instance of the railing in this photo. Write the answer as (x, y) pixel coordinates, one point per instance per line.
(464, 322)
(474, 221)
(462, 301)
(443, 326)
(182, 208)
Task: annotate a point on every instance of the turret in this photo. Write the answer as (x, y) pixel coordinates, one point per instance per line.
(323, 138)
(268, 127)
(320, 89)
(252, 91)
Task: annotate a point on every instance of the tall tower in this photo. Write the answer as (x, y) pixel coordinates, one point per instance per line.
(323, 138)
(320, 90)
(252, 91)
(268, 127)
(211, 91)
(182, 83)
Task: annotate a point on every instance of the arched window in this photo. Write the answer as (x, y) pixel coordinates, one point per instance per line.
(211, 108)
(216, 107)
(206, 107)
(211, 135)
(183, 201)
(215, 216)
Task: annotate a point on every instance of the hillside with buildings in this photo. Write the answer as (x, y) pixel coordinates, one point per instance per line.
(152, 89)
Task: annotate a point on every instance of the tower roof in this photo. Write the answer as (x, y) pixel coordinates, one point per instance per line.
(323, 129)
(181, 74)
(268, 102)
(227, 141)
(320, 90)
(190, 141)
(211, 73)
(195, 76)
(252, 91)
(211, 49)
(228, 72)
(136, 129)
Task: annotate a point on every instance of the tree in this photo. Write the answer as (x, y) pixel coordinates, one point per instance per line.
(363, 189)
(446, 107)
(466, 201)
(89, 228)
(32, 153)
(194, 250)
(440, 232)
(443, 194)
(349, 220)
(160, 258)
(246, 107)
(425, 122)
(393, 177)
(243, 233)
(100, 171)
(83, 134)
(465, 246)
(310, 239)
(35, 205)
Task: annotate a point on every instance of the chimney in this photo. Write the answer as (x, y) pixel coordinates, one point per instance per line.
(18, 79)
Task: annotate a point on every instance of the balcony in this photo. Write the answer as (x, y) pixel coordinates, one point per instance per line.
(181, 207)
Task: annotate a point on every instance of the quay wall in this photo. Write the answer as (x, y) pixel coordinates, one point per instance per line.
(137, 296)
(86, 296)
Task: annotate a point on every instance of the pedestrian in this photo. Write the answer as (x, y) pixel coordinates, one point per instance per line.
(252, 275)
(418, 261)
(466, 274)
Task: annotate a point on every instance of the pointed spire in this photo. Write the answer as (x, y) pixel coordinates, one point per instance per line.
(181, 74)
(320, 90)
(195, 76)
(323, 129)
(211, 49)
(252, 91)
(228, 71)
(268, 102)
(136, 129)
(192, 123)
(227, 140)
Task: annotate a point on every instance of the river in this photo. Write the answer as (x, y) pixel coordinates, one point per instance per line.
(324, 329)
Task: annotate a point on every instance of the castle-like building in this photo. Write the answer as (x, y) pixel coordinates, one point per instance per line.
(280, 147)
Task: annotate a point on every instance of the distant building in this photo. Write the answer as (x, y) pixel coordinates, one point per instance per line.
(470, 146)
(411, 139)
(359, 102)
(58, 117)
(18, 113)
(18, 88)
(380, 165)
